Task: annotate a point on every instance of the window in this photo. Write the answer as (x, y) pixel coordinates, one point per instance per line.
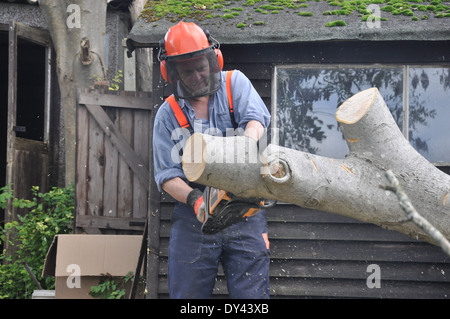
(306, 99)
(429, 112)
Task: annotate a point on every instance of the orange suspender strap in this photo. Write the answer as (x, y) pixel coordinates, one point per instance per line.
(229, 95)
(230, 99)
(181, 118)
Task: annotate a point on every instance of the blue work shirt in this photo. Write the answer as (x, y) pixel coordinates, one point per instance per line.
(169, 139)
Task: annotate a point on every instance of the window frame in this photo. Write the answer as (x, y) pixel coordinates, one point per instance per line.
(405, 94)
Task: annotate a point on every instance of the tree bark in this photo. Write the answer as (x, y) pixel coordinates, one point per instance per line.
(74, 24)
(144, 56)
(413, 215)
(349, 187)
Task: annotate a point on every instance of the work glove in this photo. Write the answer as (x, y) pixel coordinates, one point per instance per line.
(195, 201)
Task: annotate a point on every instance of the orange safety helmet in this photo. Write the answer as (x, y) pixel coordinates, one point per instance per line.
(186, 41)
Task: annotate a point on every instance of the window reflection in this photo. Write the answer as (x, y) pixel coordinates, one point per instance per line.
(429, 112)
(307, 99)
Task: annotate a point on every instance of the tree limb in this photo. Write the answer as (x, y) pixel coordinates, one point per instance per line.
(348, 187)
(412, 214)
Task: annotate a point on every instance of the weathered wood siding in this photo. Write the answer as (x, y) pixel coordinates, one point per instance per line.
(29, 155)
(112, 172)
(320, 255)
(316, 254)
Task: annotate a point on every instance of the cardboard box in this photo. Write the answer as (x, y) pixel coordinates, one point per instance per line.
(78, 261)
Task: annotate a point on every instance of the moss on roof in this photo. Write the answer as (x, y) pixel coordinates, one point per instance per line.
(259, 10)
(291, 21)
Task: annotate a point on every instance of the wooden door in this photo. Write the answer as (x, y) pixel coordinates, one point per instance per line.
(27, 158)
(112, 170)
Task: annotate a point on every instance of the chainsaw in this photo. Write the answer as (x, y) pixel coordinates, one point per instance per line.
(224, 209)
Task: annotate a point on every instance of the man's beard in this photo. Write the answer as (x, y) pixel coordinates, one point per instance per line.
(212, 84)
(201, 91)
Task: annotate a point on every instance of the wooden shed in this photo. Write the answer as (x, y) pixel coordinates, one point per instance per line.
(303, 69)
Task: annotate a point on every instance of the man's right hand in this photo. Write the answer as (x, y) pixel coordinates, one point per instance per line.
(195, 201)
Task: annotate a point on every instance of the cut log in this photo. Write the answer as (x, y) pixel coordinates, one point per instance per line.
(349, 187)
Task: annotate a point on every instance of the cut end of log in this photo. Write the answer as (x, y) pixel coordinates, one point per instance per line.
(192, 160)
(352, 110)
(277, 171)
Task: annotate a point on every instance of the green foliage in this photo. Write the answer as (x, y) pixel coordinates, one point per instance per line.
(110, 287)
(338, 23)
(115, 85)
(30, 237)
(269, 7)
(407, 12)
(176, 10)
(5, 195)
(336, 12)
(373, 17)
(228, 16)
(441, 15)
(388, 8)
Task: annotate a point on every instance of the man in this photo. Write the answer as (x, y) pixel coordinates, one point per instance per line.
(192, 63)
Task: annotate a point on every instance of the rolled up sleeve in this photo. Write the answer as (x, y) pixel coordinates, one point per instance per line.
(166, 158)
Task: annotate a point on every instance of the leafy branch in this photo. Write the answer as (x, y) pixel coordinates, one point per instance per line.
(115, 82)
(30, 237)
(111, 287)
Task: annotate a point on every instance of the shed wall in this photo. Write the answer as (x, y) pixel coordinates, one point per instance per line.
(316, 254)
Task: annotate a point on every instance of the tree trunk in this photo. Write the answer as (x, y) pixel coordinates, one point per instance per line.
(78, 29)
(144, 56)
(349, 187)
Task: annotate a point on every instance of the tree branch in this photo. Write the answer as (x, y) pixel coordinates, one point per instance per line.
(349, 186)
(413, 215)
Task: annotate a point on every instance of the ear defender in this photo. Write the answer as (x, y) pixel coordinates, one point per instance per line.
(219, 58)
(162, 67)
(162, 62)
(216, 44)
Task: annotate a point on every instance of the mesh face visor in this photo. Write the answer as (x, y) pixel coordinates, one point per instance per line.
(195, 74)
